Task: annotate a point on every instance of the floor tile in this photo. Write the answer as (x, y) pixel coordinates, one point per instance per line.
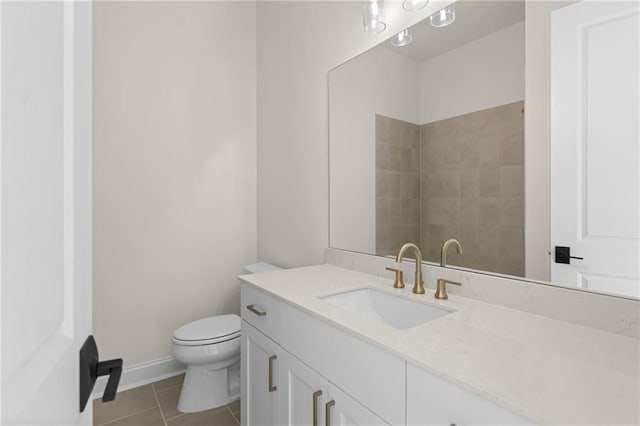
(234, 406)
(129, 402)
(216, 417)
(168, 400)
(169, 383)
(150, 417)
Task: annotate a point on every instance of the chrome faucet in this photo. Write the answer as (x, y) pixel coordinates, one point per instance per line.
(418, 286)
(445, 247)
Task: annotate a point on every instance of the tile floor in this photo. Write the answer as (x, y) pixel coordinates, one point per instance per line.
(156, 405)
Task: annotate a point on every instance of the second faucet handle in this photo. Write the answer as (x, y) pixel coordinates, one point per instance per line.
(399, 283)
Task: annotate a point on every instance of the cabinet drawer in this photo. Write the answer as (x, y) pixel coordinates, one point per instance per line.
(261, 311)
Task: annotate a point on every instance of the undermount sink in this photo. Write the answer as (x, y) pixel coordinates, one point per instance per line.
(395, 311)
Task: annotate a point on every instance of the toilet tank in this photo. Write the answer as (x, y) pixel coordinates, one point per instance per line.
(259, 267)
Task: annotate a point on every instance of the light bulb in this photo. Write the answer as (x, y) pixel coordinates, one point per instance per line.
(413, 5)
(373, 16)
(444, 16)
(401, 39)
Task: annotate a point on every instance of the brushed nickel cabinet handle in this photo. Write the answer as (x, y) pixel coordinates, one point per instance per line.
(327, 412)
(316, 395)
(272, 387)
(253, 309)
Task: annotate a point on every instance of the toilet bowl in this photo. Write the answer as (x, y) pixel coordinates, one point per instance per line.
(210, 348)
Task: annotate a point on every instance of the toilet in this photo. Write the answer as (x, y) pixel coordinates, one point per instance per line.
(210, 348)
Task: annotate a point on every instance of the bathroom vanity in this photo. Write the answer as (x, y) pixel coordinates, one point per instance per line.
(327, 345)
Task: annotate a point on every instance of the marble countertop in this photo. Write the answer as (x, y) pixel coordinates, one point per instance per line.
(550, 371)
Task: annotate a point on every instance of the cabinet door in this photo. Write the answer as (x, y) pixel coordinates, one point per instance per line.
(303, 393)
(432, 400)
(261, 358)
(346, 411)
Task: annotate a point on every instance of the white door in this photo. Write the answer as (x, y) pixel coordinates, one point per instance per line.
(46, 208)
(261, 390)
(303, 393)
(346, 411)
(594, 145)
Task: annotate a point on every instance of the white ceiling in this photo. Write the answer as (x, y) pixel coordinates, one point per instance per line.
(474, 19)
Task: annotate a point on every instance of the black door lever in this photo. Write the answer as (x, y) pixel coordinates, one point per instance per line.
(91, 368)
(563, 255)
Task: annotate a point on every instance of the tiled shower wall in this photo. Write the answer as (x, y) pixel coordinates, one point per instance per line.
(471, 188)
(397, 184)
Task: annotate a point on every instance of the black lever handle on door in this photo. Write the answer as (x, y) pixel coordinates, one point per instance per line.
(563, 255)
(91, 368)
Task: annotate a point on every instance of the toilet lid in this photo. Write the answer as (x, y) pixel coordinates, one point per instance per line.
(219, 327)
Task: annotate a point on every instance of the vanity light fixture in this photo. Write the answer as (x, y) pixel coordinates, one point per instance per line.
(413, 5)
(401, 39)
(444, 16)
(373, 16)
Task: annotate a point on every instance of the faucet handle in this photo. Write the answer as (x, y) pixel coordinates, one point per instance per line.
(441, 289)
(399, 283)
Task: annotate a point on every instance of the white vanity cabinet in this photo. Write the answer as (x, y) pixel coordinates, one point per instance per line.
(432, 400)
(346, 411)
(308, 399)
(293, 361)
(261, 360)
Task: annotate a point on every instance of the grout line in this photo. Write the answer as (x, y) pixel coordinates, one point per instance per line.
(228, 409)
(155, 395)
(128, 415)
(166, 389)
(178, 415)
(235, 418)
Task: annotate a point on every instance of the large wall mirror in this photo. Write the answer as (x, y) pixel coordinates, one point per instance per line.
(532, 165)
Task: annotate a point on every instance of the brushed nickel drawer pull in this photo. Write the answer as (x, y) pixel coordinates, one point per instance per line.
(316, 395)
(327, 412)
(253, 309)
(272, 387)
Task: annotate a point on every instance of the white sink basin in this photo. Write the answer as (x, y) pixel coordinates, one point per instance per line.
(395, 311)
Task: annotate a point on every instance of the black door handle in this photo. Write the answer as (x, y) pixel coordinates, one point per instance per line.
(91, 368)
(563, 255)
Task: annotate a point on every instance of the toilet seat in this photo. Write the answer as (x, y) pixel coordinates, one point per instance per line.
(208, 331)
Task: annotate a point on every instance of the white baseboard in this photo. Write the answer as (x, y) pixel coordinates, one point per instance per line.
(142, 374)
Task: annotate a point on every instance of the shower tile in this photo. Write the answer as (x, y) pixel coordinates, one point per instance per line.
(512, 181)
(444, 211)
(395, 159)
(470, 183)
(489, 182)
(382, 156)
(469, 211)
(488, 211)
(383, 128)
(451, 184)
(512, 211)
(383, 183)
(512, 150)
(383, 210)
(512, 243)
